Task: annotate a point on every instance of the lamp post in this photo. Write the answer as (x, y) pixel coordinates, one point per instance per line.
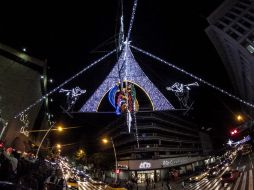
(38, 150)
(4, 124)
(105, 141)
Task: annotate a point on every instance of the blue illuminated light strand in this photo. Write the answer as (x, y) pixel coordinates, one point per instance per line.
(193, 76)
(64, 83)
(132, 19)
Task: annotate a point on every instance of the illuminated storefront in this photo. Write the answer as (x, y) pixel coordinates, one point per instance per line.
(157, 170)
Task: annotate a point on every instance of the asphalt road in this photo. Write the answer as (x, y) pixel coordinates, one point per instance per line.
(244, 182)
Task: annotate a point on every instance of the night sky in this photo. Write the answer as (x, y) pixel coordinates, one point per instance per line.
(70, 36)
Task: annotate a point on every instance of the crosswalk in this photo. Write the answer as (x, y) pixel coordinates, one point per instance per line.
(90, 186)
(244, 182)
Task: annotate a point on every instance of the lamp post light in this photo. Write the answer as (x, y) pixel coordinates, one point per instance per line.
(105, 141)
(59, 129)
(239, 118)
(58, 146)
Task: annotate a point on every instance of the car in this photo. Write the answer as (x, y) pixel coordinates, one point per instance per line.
(213, 172)
(198, 177)
(72, 184)
(230, 176)
(115, 187)
(222, 166)
(96, 181)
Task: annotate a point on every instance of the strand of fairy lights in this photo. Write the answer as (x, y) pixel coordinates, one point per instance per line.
(64, 83)
(136, 128)
(193, 76)
(132, 19)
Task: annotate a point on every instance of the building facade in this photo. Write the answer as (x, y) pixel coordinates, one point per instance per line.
(231, 30)
(160, 143)
(20, 86)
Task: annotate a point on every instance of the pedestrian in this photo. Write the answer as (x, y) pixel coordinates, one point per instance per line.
(183, 185)
(169, 186)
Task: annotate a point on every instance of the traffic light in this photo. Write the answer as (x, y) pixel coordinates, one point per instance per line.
(234, 131)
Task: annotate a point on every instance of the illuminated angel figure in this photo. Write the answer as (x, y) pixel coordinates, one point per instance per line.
(72, 96)
(182, 92)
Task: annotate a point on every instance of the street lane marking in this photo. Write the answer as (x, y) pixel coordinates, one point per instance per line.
(218, 187)
(251, 162)
(244, 180)
(237, 182)
(250, 180)
(229, 187)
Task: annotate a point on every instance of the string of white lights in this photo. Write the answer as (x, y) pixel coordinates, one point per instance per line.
(64, 83)
(136, 128)
(132, 19)
(193, 76)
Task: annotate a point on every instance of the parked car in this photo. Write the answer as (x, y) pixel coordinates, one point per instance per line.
(230, 176)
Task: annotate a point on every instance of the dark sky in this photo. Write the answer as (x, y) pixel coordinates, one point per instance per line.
(70, 36)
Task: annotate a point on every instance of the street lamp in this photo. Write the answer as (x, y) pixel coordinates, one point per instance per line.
(239, 117)
(59, 129)
(58, 146)
(105, 141)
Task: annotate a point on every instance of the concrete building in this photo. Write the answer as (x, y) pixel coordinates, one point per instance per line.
(231, 31)
(165, 141)
(20, 86)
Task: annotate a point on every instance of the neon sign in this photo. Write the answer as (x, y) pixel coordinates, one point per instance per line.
(145, 165)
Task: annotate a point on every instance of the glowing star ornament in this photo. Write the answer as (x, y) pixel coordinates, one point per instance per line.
(25, 122)
(72, 96)
(182, 92)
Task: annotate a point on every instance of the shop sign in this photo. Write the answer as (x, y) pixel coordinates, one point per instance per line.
(145, 165)
(123, 167)
(171, 162)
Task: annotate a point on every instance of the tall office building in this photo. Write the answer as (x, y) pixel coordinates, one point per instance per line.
(231, 31)
(20, 86)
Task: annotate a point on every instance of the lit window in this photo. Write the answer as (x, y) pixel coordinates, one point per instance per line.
(250, 48)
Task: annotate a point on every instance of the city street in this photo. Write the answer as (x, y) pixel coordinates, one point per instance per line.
(245, 181)
(106, 97)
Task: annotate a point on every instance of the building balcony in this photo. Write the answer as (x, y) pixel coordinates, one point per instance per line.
(156, 148)
(156, 137)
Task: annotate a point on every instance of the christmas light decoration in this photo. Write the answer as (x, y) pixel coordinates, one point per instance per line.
(193, 76)
(182, 92)
(244, 140)
(72, 96)
(64, 83)
(134, 75)
(25, 122)
(132, 19)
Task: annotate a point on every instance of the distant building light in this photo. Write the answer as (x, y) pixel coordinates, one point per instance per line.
(24, 49)
(50, 80)
(42, 77)
(250, 48)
